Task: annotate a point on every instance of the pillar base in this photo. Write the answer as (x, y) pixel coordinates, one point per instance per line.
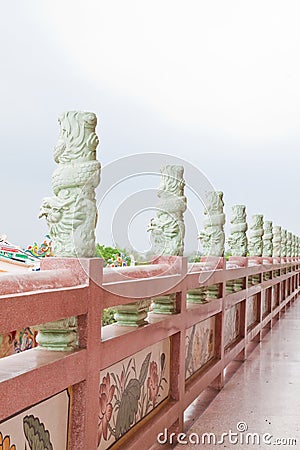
(196, 296)
(230, 287)
(238, 284)
(58, 336)
(132, 314)
(212, 291)
(165, 304)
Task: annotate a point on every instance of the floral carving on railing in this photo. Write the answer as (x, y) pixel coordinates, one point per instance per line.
(5, 443)
(252, 310)
(232, 324)
(36, 435)
(200, 345)
(129, 390)
(40, 427)
(106, 394)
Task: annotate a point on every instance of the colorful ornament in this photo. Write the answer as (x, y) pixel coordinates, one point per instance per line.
(42, 251)
(118, 260)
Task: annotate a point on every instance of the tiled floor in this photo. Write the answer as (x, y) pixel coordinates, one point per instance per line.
(263, 395)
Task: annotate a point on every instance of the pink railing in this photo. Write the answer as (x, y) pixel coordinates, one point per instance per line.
(166, 364)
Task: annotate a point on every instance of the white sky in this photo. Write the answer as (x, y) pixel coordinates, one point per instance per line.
(213, 82)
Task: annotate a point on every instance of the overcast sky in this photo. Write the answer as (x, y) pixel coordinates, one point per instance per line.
(215, 83)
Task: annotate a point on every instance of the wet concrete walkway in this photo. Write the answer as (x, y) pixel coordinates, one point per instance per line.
(262, 396)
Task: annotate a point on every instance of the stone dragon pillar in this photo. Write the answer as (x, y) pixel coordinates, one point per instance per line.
(71, 214)
(289, 244)
(256, 233)
(276, 241)
(237, 241)
(168, 228)
(293, 245)
(212, 237)
(267, 245)
(268, 239)
(255, 245)
(276, 246)
(283, 242)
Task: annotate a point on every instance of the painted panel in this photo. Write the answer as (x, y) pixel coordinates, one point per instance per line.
(200, 345)
(252, 310)
(43, 426)
(232, 324)
(131, 389)
(266, 302)
(276, 294)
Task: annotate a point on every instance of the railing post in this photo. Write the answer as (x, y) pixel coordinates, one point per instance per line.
(218, 382)
(85, 395)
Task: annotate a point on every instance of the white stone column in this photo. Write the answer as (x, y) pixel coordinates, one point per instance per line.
(267, 245)
(168, 228)
(276, 241)
(256, 233)
(71, 213)
(255, 245)
(289, 244)
(268, 239)
(212, 237)
(237, 241)
(293, 245)
(283, 242)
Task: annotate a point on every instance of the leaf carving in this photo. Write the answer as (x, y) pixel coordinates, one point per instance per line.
(190, 349)
(37, 436)
(128, 407)
(144, 369)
